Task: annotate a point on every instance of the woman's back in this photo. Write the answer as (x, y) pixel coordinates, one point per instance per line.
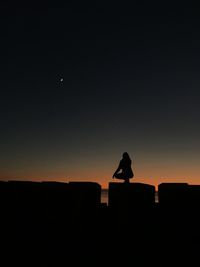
(125, 165)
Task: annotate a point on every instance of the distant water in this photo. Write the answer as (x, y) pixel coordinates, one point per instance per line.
(104, 196)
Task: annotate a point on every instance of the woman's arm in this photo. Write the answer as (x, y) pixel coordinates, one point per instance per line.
(117, 170)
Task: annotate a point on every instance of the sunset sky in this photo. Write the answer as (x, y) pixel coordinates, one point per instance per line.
(81, 84)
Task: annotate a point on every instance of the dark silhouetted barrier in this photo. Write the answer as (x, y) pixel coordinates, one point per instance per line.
(177, 213)
(194, 210)
(85, 195)
(66, 223)
(55, 199)
(173, 194)
(4, 201)
(24, 198)
(194, 196)
(3, 194)
(132, 195)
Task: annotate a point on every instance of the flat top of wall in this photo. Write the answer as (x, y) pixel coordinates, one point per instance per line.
(130, 184)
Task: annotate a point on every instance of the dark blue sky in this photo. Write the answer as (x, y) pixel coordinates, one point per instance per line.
(130, 83)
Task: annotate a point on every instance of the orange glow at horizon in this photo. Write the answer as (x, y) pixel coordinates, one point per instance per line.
(148, 176)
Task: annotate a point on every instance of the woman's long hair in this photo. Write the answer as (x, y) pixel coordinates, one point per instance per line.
(126, 156)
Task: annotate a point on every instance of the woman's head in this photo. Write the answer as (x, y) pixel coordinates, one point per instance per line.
(125, 155)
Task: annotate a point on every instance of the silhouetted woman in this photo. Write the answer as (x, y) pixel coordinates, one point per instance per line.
(125, 168)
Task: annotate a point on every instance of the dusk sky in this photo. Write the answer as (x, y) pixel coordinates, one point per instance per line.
(81, 84)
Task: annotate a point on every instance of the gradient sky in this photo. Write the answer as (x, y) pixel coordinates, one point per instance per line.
(130, 83)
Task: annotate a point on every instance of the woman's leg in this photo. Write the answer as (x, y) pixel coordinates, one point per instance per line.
(121, 176)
